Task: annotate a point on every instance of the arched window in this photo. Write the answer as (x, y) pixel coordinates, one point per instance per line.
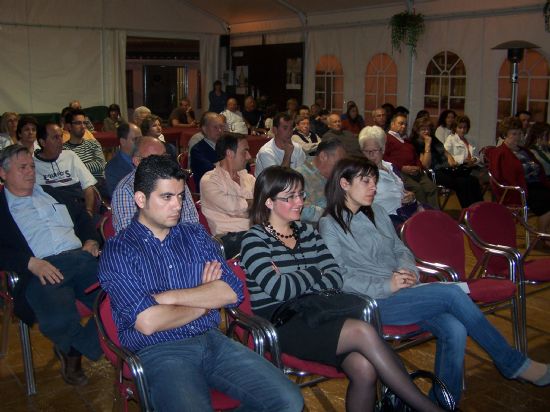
(445, 84)
(380, 83)
(329, 83)
(533, 87)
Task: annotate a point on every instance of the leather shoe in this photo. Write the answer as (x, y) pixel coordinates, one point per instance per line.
(71, 368)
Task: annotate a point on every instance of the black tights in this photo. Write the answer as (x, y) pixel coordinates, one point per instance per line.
(368, 357)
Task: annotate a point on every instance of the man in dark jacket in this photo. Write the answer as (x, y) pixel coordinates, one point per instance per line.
(49, 240)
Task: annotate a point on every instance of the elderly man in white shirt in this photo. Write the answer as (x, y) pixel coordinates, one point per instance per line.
(234, 118)
(226, 192)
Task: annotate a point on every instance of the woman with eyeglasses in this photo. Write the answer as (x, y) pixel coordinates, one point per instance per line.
(285, 258)
(374, 262)
(399, 204)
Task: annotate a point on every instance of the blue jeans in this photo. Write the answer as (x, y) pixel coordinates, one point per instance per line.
(55, 307)
(450, 315)
(179, 374)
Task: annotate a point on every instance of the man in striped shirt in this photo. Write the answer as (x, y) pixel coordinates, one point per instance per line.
(166, 282)
(89, 151)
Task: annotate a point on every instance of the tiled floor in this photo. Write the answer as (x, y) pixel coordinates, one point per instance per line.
(486, 389)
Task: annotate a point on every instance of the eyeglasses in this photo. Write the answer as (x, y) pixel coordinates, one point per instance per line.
(300, 195)
(78, 122)
(372, 152)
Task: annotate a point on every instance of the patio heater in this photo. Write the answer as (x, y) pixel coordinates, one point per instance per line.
(515, 55)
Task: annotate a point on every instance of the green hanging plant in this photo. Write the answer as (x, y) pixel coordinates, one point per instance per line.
(406, 28)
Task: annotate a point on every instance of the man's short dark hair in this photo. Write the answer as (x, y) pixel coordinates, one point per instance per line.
(153, 168)
(281, 116)
(329, 145)
(526, 112)
(71, 115)
(228, 141)
(122, 130)
(401, 110)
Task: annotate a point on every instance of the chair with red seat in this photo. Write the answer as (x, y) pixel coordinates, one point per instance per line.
(106, 228)
(437, 240)
(264, 340)
(130, 382)
(495, 225)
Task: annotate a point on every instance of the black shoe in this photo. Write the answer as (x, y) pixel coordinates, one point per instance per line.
(71, 368)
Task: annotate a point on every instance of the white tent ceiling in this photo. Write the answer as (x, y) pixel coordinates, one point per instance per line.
(245, 11)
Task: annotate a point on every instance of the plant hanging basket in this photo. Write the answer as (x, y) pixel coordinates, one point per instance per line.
(406, 28)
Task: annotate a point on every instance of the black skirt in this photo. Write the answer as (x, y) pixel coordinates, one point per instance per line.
(538, 198)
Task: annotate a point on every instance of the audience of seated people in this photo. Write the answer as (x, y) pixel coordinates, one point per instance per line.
(233, 117)
(52, 274)
(183, 116)
(444, 125)
(281, 150)
(114, 119)
(514, 165)
(167, 282)
(203, 154)
(537, 142)
(26, 133)
(8, 129)
(348, 139)
(447, 172)
(304, 136)
(63, 169)
(121, 163)
(353, 122)
(398, 203)
(401, 153)
(122, 202)
(89, 151)
(316, 171)
(226, 192)
(374, 262)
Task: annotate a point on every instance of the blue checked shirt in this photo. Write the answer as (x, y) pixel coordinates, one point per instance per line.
(124, 208)
(135, 265)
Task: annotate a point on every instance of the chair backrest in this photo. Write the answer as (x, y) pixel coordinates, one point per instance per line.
(106, 227)
(493, 223)
(183, 160)
(107, 327)
(435, 237)
(202, 219)
(240, 273)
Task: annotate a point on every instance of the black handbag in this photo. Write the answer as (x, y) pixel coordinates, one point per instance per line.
(390, 402)
(319, 307)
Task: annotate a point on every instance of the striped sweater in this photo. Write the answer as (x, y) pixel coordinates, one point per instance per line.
(91, 154)
(275, 273)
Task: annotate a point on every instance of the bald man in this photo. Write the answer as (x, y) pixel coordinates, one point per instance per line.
(348, 139)
(234, 118)
(123, 205)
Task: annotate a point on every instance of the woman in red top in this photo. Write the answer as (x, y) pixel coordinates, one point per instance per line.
(514, 165)
(354, 121)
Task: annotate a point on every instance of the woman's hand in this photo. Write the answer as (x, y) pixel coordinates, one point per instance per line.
(402, 278)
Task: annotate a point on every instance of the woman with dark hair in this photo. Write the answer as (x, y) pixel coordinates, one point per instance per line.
(375, 262)
(285, 258)
(514, 165)
(217, 98)
(354, 121)
(448, 173)
(111, 122)
(151, 126)
(26, 133)
(537, 142)
(444, 123)
(303, 135)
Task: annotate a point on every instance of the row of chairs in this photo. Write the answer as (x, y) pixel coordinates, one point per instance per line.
(437, 241)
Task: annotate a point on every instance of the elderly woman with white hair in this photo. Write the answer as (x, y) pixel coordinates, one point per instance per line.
(391, 195)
